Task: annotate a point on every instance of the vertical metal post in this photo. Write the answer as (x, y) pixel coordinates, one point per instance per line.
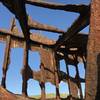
(42, 83)
(24, 70)
(68, 78)
(78, 77)
(57, 78)
(6, 57)
(6, 61)
(93, 54)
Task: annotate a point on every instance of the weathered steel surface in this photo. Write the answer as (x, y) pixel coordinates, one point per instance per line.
(6, 95)
(55, 6)
(6, 61)
(35, 38)
(70, 47)
(93, 55)
(38, 26)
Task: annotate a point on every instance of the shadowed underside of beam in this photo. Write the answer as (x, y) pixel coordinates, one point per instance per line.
(78, 42)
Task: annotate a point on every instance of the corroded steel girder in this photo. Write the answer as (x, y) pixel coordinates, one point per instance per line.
(70, 47)
(55, 6)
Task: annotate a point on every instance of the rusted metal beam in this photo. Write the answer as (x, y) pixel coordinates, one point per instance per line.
(73, 88)
(38, 26)
(17, 7)
(93, 54)
(25, 21)
(81, 22)
(42, 83)
(55, 6)
(67, 70)
(41, 39)
(4, 94)
(35, 38)
(64, 46)
(57, 77)
(78, 77)
(25, 67)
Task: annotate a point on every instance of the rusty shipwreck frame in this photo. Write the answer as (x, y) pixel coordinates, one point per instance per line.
(72, 46)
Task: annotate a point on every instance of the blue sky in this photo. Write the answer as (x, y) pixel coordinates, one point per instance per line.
(60, 19)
